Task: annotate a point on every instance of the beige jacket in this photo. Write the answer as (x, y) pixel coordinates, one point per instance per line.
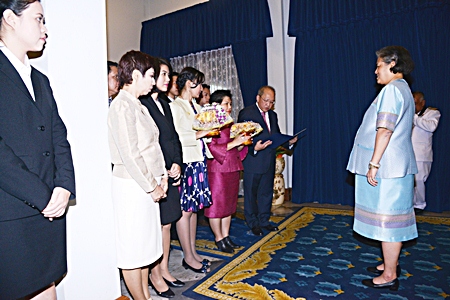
(133, 142)
(183, 117)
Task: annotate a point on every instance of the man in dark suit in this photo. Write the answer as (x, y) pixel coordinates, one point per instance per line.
(259, 165)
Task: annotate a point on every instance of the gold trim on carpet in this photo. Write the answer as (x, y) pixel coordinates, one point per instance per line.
(249, 262)
(209, 246)
(258, 256)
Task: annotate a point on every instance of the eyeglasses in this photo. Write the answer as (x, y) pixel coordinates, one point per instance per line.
(268, 101)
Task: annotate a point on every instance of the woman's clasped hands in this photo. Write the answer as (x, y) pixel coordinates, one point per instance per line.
(160, 191)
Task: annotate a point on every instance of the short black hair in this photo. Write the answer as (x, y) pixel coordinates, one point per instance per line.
(403, 61)
(217, 96)
(162, 62)
(112, 64)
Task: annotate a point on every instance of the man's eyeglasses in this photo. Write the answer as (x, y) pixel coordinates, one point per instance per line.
(268, 101)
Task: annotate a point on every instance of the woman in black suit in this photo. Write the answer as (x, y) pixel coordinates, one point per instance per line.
(171, 147)
(36, 170)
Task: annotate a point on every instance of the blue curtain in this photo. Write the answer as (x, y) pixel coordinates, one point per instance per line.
(335, 83)
(243, 24)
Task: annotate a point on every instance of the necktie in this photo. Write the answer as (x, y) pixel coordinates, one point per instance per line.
(263, 114)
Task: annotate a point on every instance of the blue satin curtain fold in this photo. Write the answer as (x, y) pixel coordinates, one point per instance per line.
(335, 83)
(215, 24)
(251, 66)
(311, 15)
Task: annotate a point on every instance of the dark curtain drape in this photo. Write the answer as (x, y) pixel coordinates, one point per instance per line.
(243, 24)
(335, 83)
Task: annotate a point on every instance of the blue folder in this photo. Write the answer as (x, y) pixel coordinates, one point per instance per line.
(279, 139)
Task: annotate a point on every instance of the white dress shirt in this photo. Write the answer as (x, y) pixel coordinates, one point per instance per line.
(24, 69)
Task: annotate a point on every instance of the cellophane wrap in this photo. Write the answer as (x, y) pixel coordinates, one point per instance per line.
(248, 128)
(211, 117)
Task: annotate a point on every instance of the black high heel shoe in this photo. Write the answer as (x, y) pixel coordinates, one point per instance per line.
(175, 284)
(391, 285)
(224, 247)
(203, 269)
(230, 243)
(374, 270)
(206, 262)
(167, 294)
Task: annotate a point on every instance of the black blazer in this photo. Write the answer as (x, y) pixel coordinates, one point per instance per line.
(34, 151)
(260, 162)
(164, 97)
(168, 137)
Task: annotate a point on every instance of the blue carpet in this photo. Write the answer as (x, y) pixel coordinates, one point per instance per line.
(240, 234)
(316, 255)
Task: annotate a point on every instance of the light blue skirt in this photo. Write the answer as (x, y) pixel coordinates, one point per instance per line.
(385, 212)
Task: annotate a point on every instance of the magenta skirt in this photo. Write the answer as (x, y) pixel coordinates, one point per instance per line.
(224, 193)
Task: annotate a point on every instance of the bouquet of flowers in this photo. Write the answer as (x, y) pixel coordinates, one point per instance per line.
(211, 117)
(248, 128)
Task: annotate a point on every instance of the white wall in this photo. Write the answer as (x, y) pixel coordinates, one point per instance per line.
(275, 61)
(75, 62)
(280, 70)
(156, 8)
(289, 50)
(124, 19)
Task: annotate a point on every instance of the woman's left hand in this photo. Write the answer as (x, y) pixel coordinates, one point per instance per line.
(56, 207)
(371, 176)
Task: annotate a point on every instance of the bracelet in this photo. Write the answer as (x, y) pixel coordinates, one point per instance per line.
(372, 165)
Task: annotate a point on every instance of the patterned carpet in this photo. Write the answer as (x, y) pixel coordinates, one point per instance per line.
(316, 255)
(239, 234)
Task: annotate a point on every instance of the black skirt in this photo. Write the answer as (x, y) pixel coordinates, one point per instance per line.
(170, 207)
(32, 255)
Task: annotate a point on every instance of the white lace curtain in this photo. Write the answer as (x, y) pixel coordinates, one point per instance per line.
(220, 72)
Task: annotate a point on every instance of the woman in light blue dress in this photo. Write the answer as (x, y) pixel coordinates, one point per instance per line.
(383, 160)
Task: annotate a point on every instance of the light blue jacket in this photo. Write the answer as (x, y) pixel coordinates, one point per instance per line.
(393, 109)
